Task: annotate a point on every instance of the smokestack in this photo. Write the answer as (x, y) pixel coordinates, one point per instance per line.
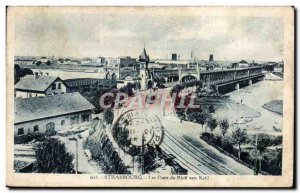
(211, 57)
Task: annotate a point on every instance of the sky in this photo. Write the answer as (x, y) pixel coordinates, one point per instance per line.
(113, 35)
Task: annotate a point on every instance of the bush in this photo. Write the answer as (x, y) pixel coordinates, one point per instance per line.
(108, 116)
(29, 137)
(52, 157)
(228, 147)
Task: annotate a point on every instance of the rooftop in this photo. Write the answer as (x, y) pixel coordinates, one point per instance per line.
(40, 83)
(28, 109)
(243, 62)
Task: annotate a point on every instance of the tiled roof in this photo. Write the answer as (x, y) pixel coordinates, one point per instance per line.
(41, 83)
(27, 109)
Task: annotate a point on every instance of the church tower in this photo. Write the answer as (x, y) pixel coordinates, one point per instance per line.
(144, 71)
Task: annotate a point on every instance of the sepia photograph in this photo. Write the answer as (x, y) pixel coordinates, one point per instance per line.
(150, 96)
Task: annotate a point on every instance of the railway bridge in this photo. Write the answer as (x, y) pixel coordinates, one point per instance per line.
(219, 78)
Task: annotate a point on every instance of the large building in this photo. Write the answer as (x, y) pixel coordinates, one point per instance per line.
(39, 85)
(124, 61)
(50, 113)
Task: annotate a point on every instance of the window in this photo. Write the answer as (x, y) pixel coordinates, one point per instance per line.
(53, 86)
(62, 122)
(59, 85)
(85, 117)
(74, 119)
(21, 131)
(35, 128)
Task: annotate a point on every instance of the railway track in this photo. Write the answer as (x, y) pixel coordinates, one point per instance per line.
(185, 163)
(212, 165)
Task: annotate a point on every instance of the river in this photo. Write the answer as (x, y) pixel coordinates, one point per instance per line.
(248, 103)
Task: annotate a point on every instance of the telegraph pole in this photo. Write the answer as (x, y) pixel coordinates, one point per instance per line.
(143, 153)
(256, 156)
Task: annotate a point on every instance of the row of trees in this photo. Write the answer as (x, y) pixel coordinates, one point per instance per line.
(94, 92)
(257, 155)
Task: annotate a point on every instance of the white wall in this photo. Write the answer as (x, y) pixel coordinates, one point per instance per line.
(23, 94)
(56, 120)
(63, 89)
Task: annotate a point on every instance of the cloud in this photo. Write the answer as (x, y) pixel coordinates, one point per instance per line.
(250, 48)
(228, 38)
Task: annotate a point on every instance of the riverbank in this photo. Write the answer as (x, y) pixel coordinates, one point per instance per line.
(275, 106)
(255, 96)
(226, 108)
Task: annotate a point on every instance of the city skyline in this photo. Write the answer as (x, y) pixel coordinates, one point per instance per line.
(114, 35)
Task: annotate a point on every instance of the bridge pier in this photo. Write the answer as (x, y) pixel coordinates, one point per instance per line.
(250, 81)
(237, 86)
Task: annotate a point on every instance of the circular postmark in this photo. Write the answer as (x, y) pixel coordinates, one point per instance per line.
(134, 130)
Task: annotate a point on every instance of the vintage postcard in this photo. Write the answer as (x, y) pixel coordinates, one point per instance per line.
(150, 97)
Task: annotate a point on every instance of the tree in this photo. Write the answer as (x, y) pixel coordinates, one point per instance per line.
(224, 128)
(48, 63)
(211, 109)
(261, 142)
(149, 84)
(52, 157)
(93, 94)
(17, 68)
(239, 137)
(208, 117)
(17, 72)
(38, 63)
(108, 116)
(201, 118)
(21, 72)
(128, 89)
(149, 159)
(212, 124)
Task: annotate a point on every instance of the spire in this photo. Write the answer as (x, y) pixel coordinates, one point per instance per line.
(144, 57)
